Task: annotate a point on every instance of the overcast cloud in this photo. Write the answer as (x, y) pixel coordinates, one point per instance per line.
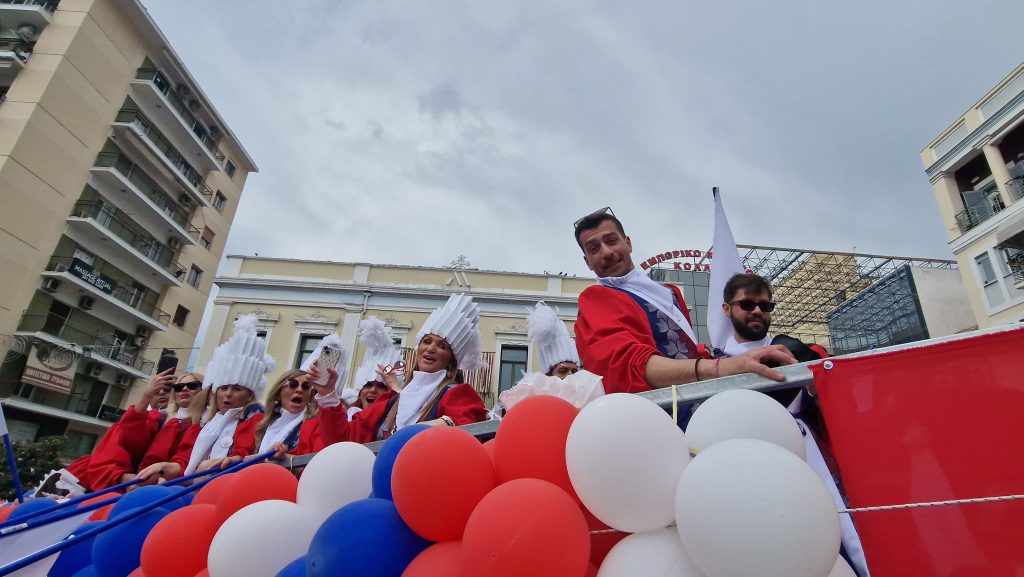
(412, 132)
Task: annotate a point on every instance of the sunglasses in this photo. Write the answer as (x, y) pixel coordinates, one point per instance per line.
(192, 386)
(293, 384)
(749, 305)
(605, 210)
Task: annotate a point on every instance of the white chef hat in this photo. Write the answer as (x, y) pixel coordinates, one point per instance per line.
(548, 332)
(458, 322)
(380, 350)
(242, 360)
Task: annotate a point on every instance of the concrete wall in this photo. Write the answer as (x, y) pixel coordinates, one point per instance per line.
(944, 301)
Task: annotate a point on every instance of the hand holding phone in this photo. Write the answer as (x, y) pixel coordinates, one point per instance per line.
(328, 359)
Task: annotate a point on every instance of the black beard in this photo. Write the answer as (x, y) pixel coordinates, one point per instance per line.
(749, 334)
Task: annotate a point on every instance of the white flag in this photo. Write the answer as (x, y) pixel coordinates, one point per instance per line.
(3, 421)
(725, 262)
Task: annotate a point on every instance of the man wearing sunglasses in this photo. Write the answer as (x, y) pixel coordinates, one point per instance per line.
(747, 301)
(635, 332)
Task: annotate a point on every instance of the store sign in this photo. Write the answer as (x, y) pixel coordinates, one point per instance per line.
(51, 367)
(695, 256)
(88, 274)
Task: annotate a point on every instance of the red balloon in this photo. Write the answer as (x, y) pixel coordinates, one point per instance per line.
(256, 483)
(440, 559)
(210, 492)
(6, 511)
(489, 447)
(531, 442)
(600, 542)
(179, 544)
(438, 478)
(98, 499)
(526, 527)
(591, 570)
(203, 573)
(137, 573)
(102, 513)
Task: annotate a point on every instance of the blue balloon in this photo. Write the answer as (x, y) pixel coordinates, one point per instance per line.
(76, 557)
(366, 538)
(296, 568)
(143, 497)
(186, 499)
(89, 571)
(116, 552)
(385, 460)
(31, 507)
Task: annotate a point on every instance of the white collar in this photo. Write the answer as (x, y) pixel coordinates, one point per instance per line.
(733, 347)
(658, 295)
(215, 439)
(280, 429)
(181, 414)
(415, 395)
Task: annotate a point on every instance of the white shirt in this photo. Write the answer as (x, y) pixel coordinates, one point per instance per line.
(733, 347)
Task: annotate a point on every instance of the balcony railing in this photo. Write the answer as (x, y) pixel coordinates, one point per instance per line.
(143, 125)
(153, 250)
(48, 5)
(112, 282)
(20, 48)
(149, 188)
(165, 87)
(1016, 188)
(106, 345)
(1016, 264)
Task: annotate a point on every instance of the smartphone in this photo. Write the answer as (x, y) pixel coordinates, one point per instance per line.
(166, 362)
(328, 359)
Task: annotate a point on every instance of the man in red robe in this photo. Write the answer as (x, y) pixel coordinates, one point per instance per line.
(635, 332)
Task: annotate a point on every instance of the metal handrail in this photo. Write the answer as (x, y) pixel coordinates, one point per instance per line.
(105, 216)
(134, 174)
(175, 158)
(146, 306)
(20, 48)
(975, 215)
(1016, 188)
(48, 5)
(165, 87)
(112, 349)
(1016, 264)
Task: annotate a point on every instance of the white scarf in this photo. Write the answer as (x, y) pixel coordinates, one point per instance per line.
(214, 440)
(733, 347)
(415, 395)
(279, 430)
(658, 295)
(351, 412)
(181, 414)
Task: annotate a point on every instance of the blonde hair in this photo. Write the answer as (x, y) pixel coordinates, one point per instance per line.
(273, 410)
(198, 412)
(172, 407)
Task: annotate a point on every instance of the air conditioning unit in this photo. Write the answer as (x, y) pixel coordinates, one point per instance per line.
(142, 331)
(174, 243)
(123, 380)
(94, 370)
(185, 199)
(51, 285)
(85, 303)
(83, 214)
(139, 341)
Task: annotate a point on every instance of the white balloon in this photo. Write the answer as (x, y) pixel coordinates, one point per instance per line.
(261, 539)
(624, 455)
(842, 569)
(657, 553)
(338, 475)
(749, 507)
(743, 414)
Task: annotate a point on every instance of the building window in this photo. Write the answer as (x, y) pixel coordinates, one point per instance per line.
(512, 367)
(194, 274)
(207, 238)
(988, 274)
(180, 316)
(219, 200)
(230, 169)
(307, 344)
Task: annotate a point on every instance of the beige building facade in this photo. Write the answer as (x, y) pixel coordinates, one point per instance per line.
(976, 167)
(298, 302)
(119, 183)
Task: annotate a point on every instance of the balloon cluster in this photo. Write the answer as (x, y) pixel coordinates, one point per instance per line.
(613, 490)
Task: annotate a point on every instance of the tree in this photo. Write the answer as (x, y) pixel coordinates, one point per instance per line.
(35, 459)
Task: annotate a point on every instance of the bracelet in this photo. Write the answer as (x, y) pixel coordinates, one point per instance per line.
(447, 420)
(696, 372)
(716, 367)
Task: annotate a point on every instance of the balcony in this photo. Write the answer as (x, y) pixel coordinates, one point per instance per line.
(97, 227)
(153, 91)
(104, 347)
(1016, 188)
(150, 141)
(979, 213)
(114, 299)
(148, 203)
(1016, 264)
(36, 13)
(14, 53)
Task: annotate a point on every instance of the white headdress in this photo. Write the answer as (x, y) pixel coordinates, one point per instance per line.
(331, 340)
(548, 332)
(380, 350)
(242, 360)
(458, 322)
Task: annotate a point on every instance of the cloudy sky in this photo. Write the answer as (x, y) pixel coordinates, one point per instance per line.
(412, 132)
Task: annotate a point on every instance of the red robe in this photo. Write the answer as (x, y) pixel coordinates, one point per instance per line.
(461, 403)
(310, 439)
(243, 441)
(614, 339)
(119, 452)
(165, 443)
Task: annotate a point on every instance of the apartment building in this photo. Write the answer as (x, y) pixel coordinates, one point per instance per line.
(976, 167)
(119, 183)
